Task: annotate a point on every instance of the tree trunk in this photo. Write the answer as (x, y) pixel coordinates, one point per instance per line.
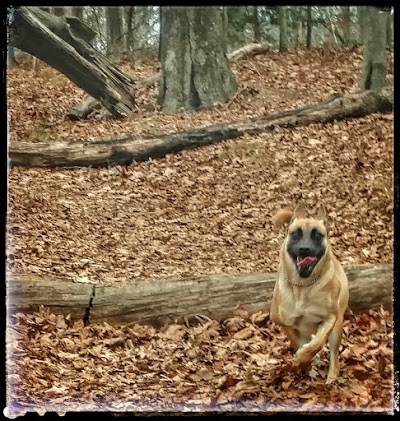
(361, 24)
(129, 23)
(346, 24)
(89, 104)
(389, 30)
(225, 29)
(63, 47)
(11, 61)
(195, 71)
(125, 150)
(374, 59)
(283, 33)
(159, 301)
(256, 25)
(114, 27)
(309, 27)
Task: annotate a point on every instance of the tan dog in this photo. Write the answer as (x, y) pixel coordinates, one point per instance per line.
(311, 293)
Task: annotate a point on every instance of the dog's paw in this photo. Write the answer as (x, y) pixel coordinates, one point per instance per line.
(302, 356)
(330, 379)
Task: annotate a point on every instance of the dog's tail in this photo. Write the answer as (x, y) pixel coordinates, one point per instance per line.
(282, 217)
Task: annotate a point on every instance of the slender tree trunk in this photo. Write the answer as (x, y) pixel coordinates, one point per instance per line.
(389, 29)
(114, 26)
(283, 32)
(195, 71)
(256, 25)
(346, 23)
(374, 60)
(11, 61)
(225, 29)
(361, 24)
(129, 32)
(309, 26)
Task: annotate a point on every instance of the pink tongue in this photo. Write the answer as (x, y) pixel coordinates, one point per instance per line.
(305, 260)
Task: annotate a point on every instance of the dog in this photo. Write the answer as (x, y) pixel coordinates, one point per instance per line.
(311, 293)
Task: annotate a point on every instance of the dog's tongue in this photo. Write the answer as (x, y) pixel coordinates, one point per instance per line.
(305, 261)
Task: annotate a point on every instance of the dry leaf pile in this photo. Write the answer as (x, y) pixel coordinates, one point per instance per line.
(197, 212)
(242, 363)
(207, 210)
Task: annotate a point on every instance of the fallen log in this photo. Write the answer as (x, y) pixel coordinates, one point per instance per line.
(159, 301)
(84, 108)
(128, 149)
(250, 50)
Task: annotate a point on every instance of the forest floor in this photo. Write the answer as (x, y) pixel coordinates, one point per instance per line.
(202, 211)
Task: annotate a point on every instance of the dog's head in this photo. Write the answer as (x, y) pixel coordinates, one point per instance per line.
(306, 242)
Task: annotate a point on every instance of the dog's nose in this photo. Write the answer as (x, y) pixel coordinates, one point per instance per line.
(305, 251)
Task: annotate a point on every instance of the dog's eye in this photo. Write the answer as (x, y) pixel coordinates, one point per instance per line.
(316, 235)
(297, 234)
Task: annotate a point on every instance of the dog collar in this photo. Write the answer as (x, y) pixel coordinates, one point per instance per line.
(297, 284)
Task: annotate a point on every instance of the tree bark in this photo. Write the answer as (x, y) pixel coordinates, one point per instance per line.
(374, 58)
(283, 34)
(159, 301)
(195, 72)
(64, 48)
(256, 25)
(361, 24)
(309, 27)
(389, 30)
(346, 23)
(11, 61)
(125, 150)
(114, 27)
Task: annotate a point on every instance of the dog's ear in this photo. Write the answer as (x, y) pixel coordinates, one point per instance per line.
(320, 212)
(300, 211)
(282, 217)
(322, 215)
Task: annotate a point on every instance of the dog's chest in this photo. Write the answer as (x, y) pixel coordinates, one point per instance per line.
(302, 308)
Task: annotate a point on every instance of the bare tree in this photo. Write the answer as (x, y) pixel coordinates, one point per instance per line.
(195, 72)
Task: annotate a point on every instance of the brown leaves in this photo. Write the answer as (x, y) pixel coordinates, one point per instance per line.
(200, 211)
(207, 210)
(104, 367)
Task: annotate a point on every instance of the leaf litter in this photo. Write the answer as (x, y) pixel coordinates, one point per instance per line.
(231, 365)
(197, 212)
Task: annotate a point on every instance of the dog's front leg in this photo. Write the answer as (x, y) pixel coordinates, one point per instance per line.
(334, 343)
(307, 352)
